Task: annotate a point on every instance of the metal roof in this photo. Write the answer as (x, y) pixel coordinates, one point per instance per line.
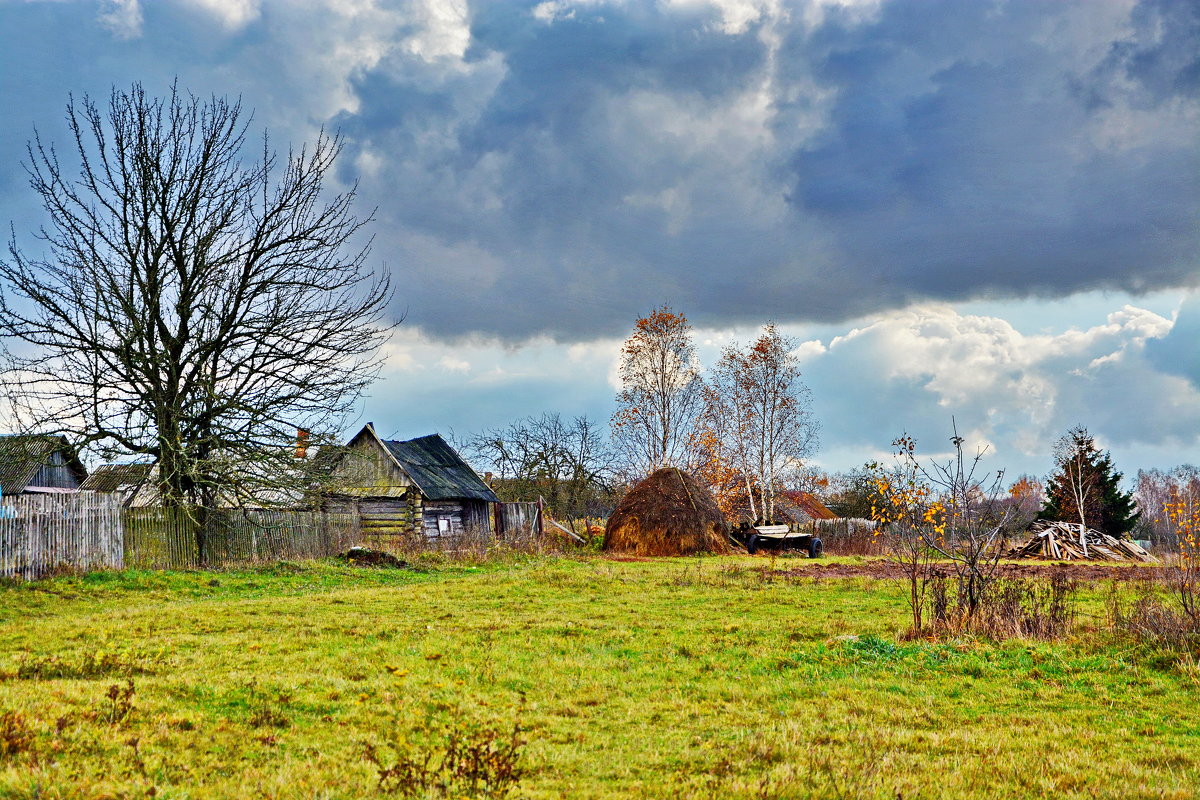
(117, 477)
(22, 455)
(437, 470)
(810, 505)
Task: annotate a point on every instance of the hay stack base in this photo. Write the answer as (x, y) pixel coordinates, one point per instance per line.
(670, 513)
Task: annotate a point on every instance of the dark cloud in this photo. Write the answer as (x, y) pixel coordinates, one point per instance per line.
(938, 150)
(961, 158)
(562, 172)
(1163, 53)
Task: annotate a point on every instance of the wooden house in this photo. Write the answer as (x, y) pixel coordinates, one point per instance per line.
(39, 464)
(406, 488)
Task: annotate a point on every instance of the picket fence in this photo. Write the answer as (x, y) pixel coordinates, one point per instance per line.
(160, 538)
(40, 535)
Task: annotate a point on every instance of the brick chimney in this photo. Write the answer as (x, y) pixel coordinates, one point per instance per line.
(301, 443)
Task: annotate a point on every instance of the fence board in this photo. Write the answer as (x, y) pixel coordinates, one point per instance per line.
(42, 534)
(167, 539)
(87, 531)
(516, 519)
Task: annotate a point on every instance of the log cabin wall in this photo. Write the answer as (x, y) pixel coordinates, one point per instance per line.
(390, 517)
(444, 518)
(454, 517)
(368, 482)
(379, 480)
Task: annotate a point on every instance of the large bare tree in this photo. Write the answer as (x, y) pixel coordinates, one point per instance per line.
(190, 302)
(566, 461)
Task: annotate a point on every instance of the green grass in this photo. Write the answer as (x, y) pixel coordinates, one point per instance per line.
(667, 678)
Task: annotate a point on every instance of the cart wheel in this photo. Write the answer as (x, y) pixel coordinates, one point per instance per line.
(752, 544)
(815, 548)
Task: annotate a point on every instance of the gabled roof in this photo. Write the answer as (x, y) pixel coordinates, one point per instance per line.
(117, 477)
(810, 505)
(438, 470)
(22, 455)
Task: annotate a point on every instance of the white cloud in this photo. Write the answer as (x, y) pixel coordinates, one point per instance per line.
(122, 17)
(915, 368)
(442, 29)
(810, 349)
(453, 364)
(232, 14)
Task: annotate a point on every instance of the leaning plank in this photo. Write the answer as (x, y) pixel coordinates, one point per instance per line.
(570, 533)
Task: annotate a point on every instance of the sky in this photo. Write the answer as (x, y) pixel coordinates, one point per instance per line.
(980, 211)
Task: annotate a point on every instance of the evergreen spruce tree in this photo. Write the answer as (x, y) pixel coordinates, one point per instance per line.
(1086, 488)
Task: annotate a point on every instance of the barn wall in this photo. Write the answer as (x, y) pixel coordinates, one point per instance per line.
(459, 515)
(55, 474)
(479, 515)
(449, 512)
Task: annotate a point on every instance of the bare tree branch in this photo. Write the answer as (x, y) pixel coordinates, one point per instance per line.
(191, 306)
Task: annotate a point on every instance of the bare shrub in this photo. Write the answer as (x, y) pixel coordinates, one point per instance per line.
(1157, 618)
(1007, 608)
(457, 757)
(953, 510)
(1168, 613)
(15, 734)
(120, 706)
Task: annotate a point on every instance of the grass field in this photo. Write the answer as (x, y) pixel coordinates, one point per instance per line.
(666, 678)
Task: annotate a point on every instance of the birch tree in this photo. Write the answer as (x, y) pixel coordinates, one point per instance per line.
(760, 394)
(660, 395)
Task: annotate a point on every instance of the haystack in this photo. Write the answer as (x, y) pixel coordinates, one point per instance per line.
(668, 514)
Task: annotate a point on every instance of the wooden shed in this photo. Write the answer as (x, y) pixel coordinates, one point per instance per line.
(405, 488)
(39, 464)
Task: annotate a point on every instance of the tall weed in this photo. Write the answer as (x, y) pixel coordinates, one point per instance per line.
(450, 757)
(1005, 608)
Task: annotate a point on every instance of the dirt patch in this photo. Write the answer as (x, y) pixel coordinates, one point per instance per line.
(890, 569)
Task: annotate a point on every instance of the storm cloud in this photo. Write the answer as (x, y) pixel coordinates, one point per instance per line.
(556, 168)
(946, 200)
(808, 163)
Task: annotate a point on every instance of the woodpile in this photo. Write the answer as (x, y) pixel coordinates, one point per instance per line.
(1062, 541)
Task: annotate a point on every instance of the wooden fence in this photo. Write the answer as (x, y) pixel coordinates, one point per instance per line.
(516, 520)
(159, 538)
(41, 534)
(845, 526)
(850, 536)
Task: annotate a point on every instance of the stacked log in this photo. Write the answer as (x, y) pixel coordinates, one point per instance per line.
(1063, 541)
